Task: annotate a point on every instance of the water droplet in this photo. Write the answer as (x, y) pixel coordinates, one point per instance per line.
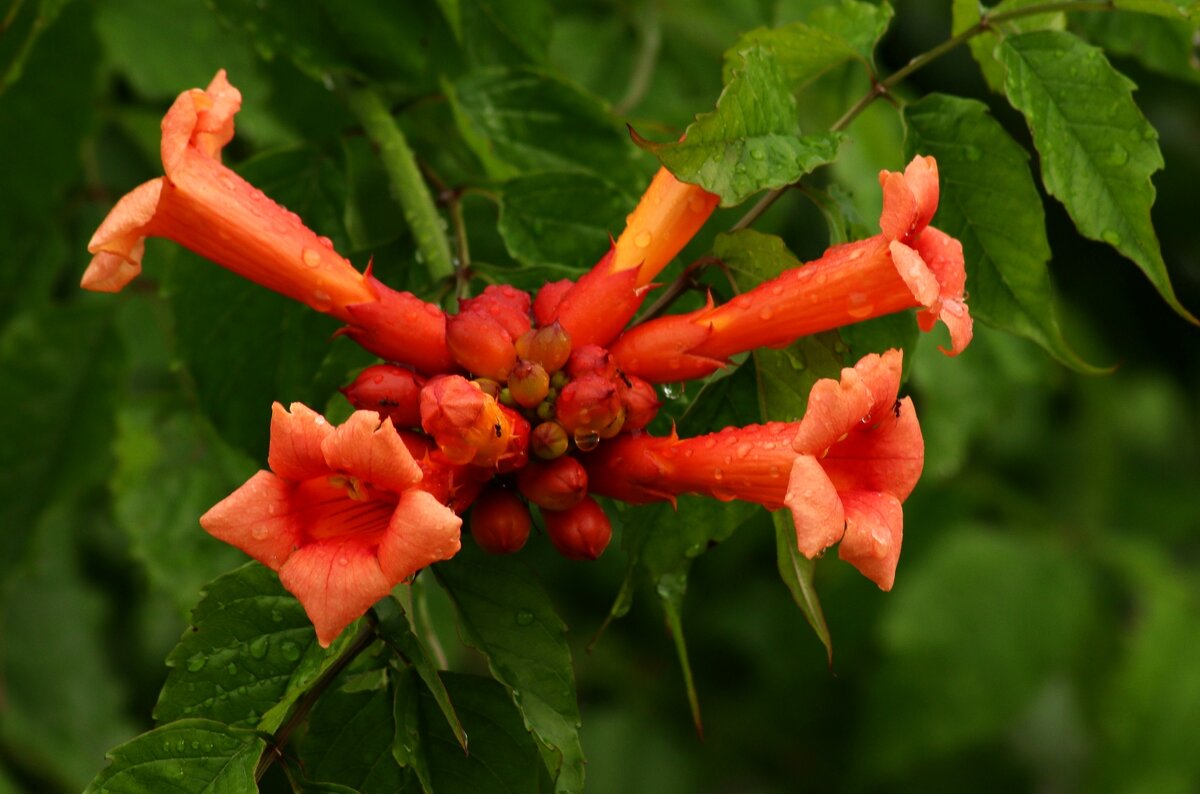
(758, 154)
(231, 668)
(325, 241)
(524, 617)
(276, 616)
(290, 651)
(858, 306)
(343, 560)
(586, 441)
(766, 314)
(1117, 155)
(1111, 237)
(196, 663)
(311, 257)
(195, 744)
(777, 289)
(774, 471)
(744, 449)
(321, 299)
(972, 153)
(642, 239)
(259, 647)
(697, 203)
(260, 532)
(740, 168)
(718, 474)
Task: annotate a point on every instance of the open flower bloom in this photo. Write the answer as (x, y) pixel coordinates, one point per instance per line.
(843, 470)
(341, 514)
(209, 209)
(909, 265)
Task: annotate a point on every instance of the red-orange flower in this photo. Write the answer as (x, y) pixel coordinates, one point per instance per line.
(209, 209)
(843, 470)
(340, 515)
(909, 265)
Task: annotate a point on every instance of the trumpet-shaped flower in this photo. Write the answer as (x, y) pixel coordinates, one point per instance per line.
(843, 470)
(908, 265)
(341, 514)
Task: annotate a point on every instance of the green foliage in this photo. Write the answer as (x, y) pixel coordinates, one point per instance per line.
(1044, 615)
(1097, 149)
(752, 141)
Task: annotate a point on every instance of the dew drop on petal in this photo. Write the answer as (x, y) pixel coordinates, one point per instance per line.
(718, 474)
(260, 532)
(311, 257)
(642, 239)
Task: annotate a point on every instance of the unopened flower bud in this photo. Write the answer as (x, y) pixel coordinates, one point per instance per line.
(559, 379)
(548, 298)
(500, 521)
(516, 453)
(468, 425)
(639, 399)
(556, 485)
(548, 440)
(488, 387)
(589, 403)
(390, 391)
(549, 346)
(480, 344)
(581, 532)
(528, 383)
(590, 358)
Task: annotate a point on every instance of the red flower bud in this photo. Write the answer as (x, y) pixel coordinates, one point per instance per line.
(589, 404)
(500, 521)
(390, 391)
(549, 346)
(528, 383)
(507, 305)
(468, 425)
(639, 399)
(516, 453)
(590, 358)
(580, 533)
(480, 344)
(557, 485)
(548, 440)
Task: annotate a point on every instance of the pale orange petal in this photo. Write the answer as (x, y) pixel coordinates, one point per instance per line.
(120, 241)
(816, 508)
(372, 452)
(874, 530)
(337, 580)
(886, 454)
(921, 176)
(257, 518)
(214, 125)
(916, 274)
(422, 531)
(900, 211)
(881, 375)
(296, 436)
(834, 407)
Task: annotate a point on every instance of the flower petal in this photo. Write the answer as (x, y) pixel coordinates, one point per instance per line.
(337, 580)
(257, 518)
(202, 119)
(834, 407)
(916, 274)
(422, 531)
(296, 436)
(120, 241)
(887, 454)
(900, 211)
(921, 176)
(816, 507)
(874, 529)
(372, 452)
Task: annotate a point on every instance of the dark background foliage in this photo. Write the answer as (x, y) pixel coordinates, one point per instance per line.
(1045, 626)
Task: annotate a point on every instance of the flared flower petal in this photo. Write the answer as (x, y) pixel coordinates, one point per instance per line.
(817, 510)
(337, 580)
(421, 532)
(296, 436)
(120, 242)
(373, 452)
(258, 518)
(874, 530)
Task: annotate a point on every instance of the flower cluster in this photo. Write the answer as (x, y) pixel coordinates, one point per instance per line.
(517, 399)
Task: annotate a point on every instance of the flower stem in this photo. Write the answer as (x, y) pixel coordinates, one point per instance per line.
(405, 176)
(280, 739)
(650, 36)
(881, 88)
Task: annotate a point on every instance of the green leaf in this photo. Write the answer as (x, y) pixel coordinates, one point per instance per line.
(968, 13)
(797, 572)
(831, 36)
(250, 654)
(752, 141)
(57, 373)
(989, 202)
(671, 591)
(562, 221)
(396, 631)
(349, 742)
(169, 470)
(523, 121)
(991, 663)
(1160, 44)
(500, 33)
(198, 756)
(1170, 9)
(503, 755)
(408, 746)
(504, 613)
(1097, 149)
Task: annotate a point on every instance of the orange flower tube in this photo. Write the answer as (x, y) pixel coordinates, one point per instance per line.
(908, 265)
(209, 209)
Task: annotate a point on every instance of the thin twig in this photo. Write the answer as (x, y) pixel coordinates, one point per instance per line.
(647, 57)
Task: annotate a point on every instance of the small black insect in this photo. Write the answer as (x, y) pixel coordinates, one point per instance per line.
(498, 429)
(896, 408)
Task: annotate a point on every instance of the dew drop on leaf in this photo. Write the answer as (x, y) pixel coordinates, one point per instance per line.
(196, 663)
(1111, 237)
(290, 651)
(1118, 155)
(524, 617)
(259, 647)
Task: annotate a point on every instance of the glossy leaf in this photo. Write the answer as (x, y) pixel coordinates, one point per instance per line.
(989, 202)
(831, 36)
(397, 632)
(968, 13)
(349, 742)
(752, 141)
(251, 652)
(505, 614)
(561, 221)
(1097, 149)
(199, 756)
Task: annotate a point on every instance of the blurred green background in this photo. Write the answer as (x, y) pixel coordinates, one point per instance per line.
(1044, 631)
